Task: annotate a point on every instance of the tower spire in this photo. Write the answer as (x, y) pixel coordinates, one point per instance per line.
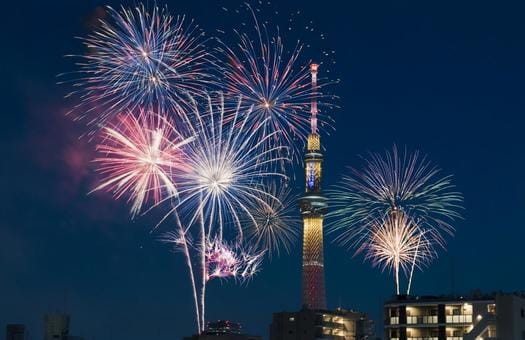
(313, 206)
(313, 106)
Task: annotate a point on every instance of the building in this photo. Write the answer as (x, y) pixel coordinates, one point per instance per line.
(223, 330)
(309, 324)
(56, 326)
(15, 332)
(314, 320)
(477, 317)
(223, 327)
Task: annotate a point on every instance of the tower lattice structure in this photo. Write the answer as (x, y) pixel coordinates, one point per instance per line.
(313, 207)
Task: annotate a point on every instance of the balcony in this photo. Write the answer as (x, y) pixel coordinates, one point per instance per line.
(426, 319)
(459, 319)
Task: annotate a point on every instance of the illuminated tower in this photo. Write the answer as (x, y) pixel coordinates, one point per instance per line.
(313, 206)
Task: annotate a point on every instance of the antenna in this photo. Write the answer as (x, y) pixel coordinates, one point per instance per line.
(313, 107)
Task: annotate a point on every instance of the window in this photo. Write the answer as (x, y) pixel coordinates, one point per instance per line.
(492, 332)
(522, 313)
(491, 308)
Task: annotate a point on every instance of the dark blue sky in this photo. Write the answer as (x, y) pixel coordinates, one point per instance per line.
(444, 77)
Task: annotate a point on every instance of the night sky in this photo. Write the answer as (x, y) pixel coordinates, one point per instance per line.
(446, 78)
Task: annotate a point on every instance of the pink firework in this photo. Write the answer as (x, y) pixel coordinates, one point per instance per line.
(273, 82)
(139, 157)
(224, 260)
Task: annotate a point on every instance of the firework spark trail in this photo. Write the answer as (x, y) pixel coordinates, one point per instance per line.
(139, 157)
(397, 243)
(414, 261)
(139, 58)
(272, 83)
(181, 242)
(276, 226)
(407, 182)
(220, 260)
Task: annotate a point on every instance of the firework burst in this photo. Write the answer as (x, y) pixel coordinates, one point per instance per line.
(408, 182)
(139, 156)
(229, 164)
(139, 58)
(397, 243)
(273, 82)
(224, 260)
(276, 226)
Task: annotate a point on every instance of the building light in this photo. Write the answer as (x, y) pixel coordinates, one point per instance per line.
(491, 308)
(478, 319)
(292, 319)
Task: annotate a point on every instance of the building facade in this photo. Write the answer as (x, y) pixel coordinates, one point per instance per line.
(308, 324)
(223, 330)
(497, 316)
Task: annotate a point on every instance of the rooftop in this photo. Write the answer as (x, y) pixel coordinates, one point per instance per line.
(473, 296)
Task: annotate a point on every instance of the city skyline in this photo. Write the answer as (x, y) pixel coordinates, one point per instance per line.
(450, 88)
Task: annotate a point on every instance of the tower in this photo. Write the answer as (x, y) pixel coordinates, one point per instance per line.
(313, 206)
(314, 320)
